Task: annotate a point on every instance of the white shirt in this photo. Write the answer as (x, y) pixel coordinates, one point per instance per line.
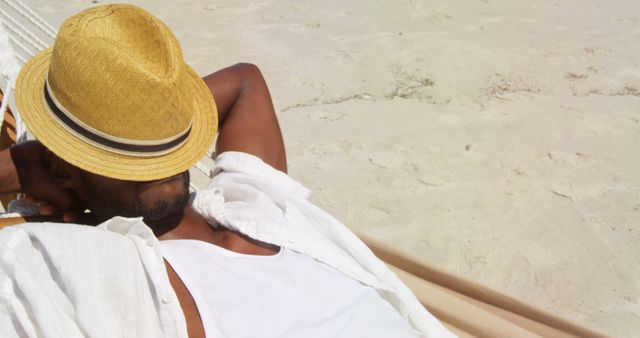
(287, 295)
(65, 280)
(263, 203)
(68, 280)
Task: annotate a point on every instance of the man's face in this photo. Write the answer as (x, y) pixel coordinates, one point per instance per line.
(152, 200)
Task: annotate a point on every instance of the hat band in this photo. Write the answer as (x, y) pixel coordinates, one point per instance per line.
(121, 146)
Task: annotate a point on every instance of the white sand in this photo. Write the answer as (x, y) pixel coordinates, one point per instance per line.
(497, 139)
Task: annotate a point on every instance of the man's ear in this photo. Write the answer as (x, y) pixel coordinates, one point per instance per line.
(64, 174)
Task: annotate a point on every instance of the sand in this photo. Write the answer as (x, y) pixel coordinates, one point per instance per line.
(495, 139)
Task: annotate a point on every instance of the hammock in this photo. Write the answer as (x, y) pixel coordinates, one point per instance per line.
(22, 34)
(466, 308)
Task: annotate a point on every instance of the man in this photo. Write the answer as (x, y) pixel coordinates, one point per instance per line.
(120, 119)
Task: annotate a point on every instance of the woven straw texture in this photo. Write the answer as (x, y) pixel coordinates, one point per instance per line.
(119, 72)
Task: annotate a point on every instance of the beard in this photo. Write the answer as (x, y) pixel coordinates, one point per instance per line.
(111, 203)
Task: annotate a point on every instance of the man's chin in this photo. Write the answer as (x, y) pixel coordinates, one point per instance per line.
(164, 223)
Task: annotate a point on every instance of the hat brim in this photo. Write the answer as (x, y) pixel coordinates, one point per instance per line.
(40, 122)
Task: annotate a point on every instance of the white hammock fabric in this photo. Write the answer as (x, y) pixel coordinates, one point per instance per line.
(18, 44)
(22, 35)
(9, 69)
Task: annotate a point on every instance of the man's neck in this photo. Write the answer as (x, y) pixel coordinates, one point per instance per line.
(193, 226)
(187, 224)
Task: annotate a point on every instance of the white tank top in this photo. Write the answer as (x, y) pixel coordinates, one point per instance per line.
(284, 295)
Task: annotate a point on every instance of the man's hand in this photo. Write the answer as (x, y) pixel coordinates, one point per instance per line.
(25, 171)
(246, 115)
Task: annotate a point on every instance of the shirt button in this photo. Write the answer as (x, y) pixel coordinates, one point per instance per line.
(166, 299)
(151, 242)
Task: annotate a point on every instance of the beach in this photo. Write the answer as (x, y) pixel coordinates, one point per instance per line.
(497, 140)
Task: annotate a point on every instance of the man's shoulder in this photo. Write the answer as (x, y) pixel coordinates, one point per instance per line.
(55, 229)
(80, 267)
(77, 253)
(50, 230)
(63, 237)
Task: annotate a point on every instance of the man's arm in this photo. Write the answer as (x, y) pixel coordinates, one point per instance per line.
(8, 176)
(247, 119)
(23, 169)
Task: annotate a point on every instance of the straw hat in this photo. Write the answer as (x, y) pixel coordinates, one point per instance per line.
(115, 98)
